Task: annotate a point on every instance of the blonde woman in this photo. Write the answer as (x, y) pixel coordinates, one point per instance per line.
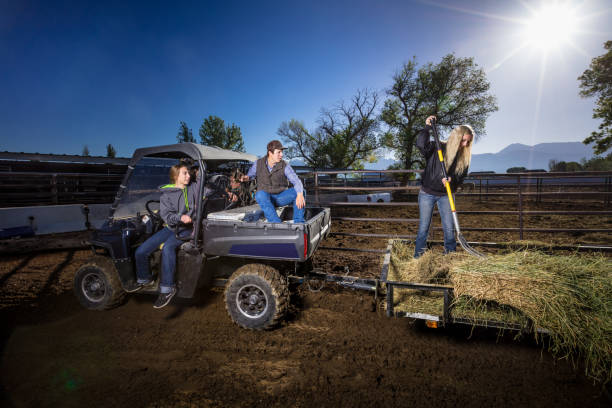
(457, 152)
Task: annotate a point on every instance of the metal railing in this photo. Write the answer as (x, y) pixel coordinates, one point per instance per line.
(34, 188)
(41, 188)
(521, 187)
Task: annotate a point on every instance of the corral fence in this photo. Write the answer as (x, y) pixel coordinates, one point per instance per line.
(45, 179)
(331, 187)
(38, 179)
(32, 188)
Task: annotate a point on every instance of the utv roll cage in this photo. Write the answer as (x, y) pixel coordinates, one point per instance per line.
(205, 156)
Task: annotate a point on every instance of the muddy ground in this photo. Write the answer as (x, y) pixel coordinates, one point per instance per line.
(336, 348)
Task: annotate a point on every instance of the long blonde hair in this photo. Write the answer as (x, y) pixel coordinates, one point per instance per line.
(453, 144)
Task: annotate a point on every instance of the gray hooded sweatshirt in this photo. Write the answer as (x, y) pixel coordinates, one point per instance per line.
(175, 202)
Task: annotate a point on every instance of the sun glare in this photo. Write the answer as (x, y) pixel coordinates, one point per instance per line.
(551, 27)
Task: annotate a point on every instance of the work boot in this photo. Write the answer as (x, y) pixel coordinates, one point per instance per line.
(164, 298)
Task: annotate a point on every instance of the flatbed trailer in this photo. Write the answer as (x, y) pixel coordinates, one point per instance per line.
(447, 317)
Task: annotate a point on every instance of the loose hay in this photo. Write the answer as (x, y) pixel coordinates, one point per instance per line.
(431, 267)
(568, 295)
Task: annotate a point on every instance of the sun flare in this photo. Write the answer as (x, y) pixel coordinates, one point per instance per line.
(551, 26)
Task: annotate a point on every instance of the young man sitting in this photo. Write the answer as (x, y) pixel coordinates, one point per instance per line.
(273, 176)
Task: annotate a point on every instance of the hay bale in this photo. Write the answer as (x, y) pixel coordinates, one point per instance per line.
(568, 295)
(416, 301)
(431, 267)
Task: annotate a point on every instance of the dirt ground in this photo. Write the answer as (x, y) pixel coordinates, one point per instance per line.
(336, 348)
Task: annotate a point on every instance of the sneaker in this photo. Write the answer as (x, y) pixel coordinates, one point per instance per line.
(164, 298)
(148, 285)
(136, 286)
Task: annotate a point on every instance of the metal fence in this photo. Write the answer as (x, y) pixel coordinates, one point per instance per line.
(329, 187)
(19, 189)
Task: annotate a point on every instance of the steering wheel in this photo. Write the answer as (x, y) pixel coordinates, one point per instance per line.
(155, 217)
(177, 232)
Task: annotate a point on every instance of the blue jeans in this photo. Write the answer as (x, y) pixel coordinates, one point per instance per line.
(268, 202)
(171, 243)
(426, 205)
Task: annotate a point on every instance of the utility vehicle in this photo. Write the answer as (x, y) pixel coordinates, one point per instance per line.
(237, 243)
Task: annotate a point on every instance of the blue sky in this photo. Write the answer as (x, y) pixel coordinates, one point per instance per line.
(92, 73)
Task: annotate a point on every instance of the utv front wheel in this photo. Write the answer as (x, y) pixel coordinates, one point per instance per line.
(97, 285)
(256, 296)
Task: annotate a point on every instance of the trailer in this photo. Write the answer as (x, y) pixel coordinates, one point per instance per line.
(442, 312)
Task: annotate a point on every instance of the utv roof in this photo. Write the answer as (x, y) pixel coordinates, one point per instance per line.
(192, 150)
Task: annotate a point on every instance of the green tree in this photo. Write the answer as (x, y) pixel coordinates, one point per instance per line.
(597, 81)
(184, 134)
(598, 163)
(455, 90)
(519, 169)
(214, 132)
(110, 151)
(573, 166)
(347, 135)
(554, 165)
(85, 151)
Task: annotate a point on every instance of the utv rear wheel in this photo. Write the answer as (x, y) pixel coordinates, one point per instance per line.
(256, 296)
(97, 285)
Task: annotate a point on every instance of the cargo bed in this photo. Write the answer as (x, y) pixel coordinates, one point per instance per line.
(243, 232)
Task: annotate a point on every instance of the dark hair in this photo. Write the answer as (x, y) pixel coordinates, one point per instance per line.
(236, 175)
(275, 144)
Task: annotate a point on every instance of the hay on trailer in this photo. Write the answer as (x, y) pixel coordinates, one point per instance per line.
(474, 310)
(433, 268)
(416, 301)
(427, 269)
(568, 295)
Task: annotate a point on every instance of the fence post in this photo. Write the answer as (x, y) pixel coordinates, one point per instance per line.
(520, 207)
(54, 189)
(316, 186)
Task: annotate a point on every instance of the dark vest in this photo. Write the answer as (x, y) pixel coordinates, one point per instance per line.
(274, 181)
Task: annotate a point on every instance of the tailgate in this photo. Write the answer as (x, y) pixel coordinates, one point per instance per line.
(317, 228)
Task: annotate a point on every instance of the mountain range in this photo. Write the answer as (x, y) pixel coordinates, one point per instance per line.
(518, 155)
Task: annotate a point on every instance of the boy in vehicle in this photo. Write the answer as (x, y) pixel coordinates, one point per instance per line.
(273, 176)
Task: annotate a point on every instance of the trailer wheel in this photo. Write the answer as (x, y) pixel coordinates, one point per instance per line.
(256, 296)
(97, 285)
